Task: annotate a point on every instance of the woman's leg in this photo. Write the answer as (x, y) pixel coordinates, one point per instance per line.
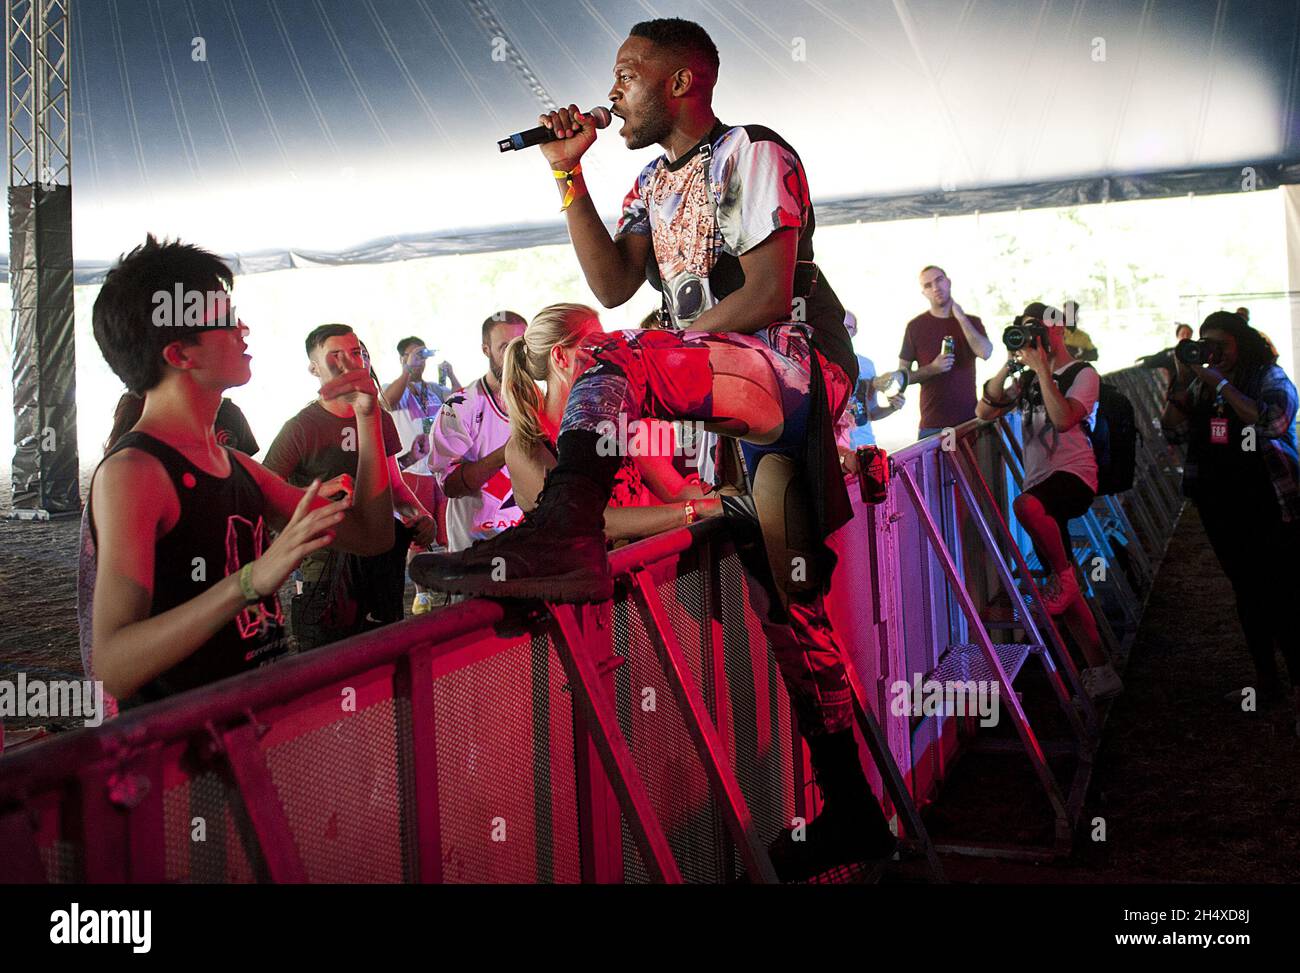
(1046, 511)
(727, 382)
(1044, 531)
(732, 383)
(1080, 623)
(1235, 532)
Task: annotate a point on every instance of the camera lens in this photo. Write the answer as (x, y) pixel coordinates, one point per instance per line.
(1191, 352)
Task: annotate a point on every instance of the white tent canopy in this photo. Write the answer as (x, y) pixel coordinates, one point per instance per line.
(317, 125)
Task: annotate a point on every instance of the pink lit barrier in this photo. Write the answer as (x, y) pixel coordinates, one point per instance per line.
(459, 746)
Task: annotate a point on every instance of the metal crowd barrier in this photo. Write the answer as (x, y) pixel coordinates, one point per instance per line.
(647, 739)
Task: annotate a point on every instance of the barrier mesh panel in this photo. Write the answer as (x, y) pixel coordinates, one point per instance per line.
(62, 861)
(505, 769)
(339, 786)
(760, 732)
(206, 833)
(661, 745)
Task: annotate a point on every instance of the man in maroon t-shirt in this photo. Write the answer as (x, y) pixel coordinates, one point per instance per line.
(947, 380)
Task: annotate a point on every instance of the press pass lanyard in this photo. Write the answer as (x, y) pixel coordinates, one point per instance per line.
(421, 392)
(1219, 422)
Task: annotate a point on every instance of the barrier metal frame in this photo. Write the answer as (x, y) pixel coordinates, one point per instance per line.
(1066, 805)
(1153, 496)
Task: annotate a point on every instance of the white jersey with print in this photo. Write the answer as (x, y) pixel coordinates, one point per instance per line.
(471, 424)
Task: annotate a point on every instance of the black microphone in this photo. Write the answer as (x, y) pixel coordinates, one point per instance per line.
(600, 117)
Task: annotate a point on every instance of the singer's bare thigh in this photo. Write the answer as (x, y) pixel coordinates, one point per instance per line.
(746, 398)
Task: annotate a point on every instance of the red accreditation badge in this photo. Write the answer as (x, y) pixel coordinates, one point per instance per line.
(1219, 431)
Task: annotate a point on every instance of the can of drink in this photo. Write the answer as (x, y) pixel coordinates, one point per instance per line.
(873, 474)
(949, 345)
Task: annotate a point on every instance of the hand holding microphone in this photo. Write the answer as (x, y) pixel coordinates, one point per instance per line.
(564, 135)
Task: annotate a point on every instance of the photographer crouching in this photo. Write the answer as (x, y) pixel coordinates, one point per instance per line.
(1057, 398)
(1235, 408)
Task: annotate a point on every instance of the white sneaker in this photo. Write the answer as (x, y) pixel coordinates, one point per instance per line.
(1101, 682)
(1062, 594)
(423, 603)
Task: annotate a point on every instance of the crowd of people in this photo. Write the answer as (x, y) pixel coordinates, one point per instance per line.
(506, 486)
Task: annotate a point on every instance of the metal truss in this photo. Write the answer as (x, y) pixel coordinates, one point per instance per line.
(38, 92)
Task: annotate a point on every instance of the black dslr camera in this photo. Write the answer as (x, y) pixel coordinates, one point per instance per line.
(1191, 352)
(1025, 332)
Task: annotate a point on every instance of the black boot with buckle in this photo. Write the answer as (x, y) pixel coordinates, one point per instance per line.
(556, 553)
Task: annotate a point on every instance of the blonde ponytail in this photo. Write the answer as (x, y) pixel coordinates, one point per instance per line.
(523, 398)
(527, 362)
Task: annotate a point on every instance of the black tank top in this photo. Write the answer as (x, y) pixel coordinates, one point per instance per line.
(220, 529)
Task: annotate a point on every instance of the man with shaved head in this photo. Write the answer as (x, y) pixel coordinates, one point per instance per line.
(755, 348)
(947, 341)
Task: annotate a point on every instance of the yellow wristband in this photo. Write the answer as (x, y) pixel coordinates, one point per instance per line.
(246, 585)
(570, 193)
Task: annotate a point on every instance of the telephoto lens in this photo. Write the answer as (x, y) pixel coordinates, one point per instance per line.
(1191, 352)
(1026, 335)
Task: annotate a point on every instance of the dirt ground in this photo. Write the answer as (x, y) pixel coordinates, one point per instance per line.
(38, 591)
(1191, 789)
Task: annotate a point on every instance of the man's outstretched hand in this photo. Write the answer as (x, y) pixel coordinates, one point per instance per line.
(356, 388)
(308, 530)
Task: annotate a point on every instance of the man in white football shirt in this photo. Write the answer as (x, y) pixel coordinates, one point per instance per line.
(467, 446)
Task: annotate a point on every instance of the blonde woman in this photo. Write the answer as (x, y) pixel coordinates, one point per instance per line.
(650, 495)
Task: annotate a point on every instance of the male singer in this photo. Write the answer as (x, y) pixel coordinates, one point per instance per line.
(756, 350)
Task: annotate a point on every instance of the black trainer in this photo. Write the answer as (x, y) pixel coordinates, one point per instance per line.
(556, 553)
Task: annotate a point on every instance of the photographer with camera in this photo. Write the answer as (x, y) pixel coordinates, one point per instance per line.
(1235, 408)
(1057, 399)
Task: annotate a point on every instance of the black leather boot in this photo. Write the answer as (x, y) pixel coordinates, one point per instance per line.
(851, 828)
(557, 553)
